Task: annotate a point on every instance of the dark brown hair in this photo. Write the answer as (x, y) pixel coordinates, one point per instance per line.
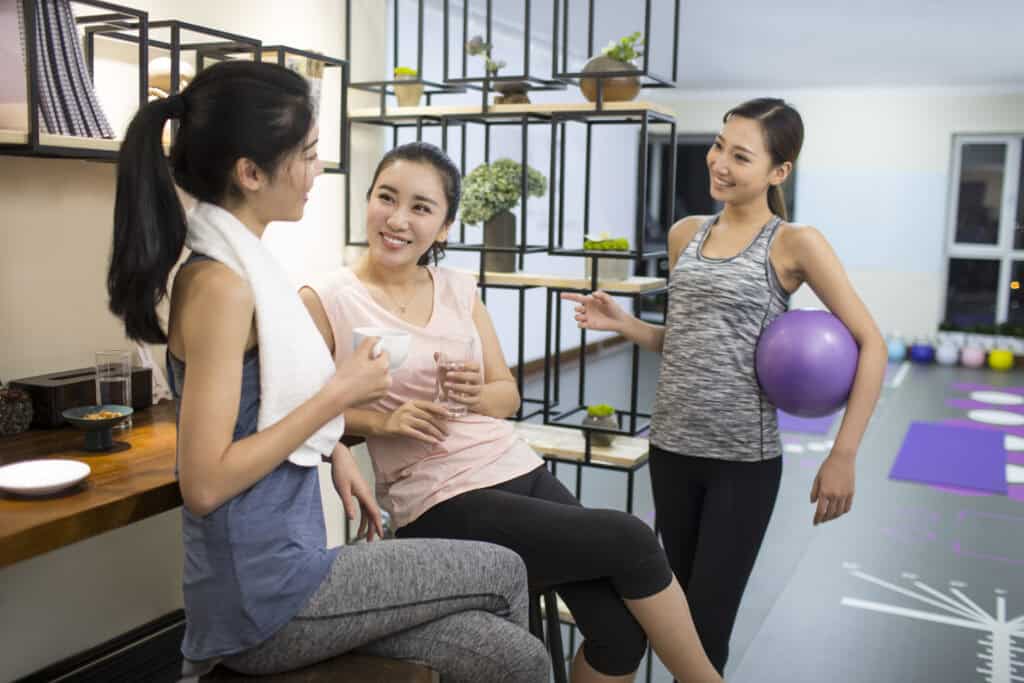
(783, 136)
(451, 179)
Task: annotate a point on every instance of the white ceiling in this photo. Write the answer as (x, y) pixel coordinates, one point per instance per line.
(807, 43)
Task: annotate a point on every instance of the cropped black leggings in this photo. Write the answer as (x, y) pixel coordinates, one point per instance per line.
(712, 515)
(592, 558)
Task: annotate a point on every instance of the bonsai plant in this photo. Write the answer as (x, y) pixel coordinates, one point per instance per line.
(407, 94)
(618, 55)
(601, 415)
(15, 410)
(608, 268)
(511, 92)
(488, 192)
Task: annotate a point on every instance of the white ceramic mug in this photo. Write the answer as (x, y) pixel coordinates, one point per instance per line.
(395, 342)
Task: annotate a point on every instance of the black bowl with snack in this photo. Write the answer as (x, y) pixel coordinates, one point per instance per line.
(97, 422)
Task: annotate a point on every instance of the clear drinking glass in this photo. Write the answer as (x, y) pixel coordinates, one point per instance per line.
(114, 381)
(453, 353)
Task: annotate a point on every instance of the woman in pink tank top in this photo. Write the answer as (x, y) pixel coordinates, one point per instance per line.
(470, 477)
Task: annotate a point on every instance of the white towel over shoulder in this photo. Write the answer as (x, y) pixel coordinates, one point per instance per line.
(294, 361)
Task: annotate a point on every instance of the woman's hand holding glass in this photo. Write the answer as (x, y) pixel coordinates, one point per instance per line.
(464, 386)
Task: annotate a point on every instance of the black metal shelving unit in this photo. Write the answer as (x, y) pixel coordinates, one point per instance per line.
(559, 119)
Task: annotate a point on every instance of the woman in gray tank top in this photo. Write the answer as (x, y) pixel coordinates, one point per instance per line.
(262, 592)
(715, 447)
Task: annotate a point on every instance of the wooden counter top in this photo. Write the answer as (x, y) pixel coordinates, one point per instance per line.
(124, 486)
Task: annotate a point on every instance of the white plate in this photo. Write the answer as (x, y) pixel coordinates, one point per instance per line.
(40, 477)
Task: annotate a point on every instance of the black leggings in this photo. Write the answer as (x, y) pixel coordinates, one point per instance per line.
(592, 558)
(712, 515)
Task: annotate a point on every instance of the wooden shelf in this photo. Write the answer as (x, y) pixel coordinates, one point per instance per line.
(567, 444)
(125, 485)
(17, 137)
(499, 110)
(71, 142)
(633, 285)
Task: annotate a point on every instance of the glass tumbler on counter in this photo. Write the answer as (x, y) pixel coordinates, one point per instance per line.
(114, 381)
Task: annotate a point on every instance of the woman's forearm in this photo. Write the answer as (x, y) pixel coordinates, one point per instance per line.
(363, 422)
(648, 336)
(867, 386)
(499, 399)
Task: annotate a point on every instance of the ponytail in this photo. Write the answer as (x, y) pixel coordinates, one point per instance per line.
(149, 223)
(777, 202)
(231, 110)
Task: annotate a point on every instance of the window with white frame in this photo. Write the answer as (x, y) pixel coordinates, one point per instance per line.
(985, 270)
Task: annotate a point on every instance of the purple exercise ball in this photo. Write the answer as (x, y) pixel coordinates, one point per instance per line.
(806, 361)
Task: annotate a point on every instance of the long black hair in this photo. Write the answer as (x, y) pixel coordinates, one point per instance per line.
(783, 136)
(451, 179)
(234, 109)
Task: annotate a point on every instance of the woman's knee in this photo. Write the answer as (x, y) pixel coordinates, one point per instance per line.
(645, 569)
(619, 655)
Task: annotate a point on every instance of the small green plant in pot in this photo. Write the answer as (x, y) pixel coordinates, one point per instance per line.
(618, 55)
(407, 94)
(489, 191)
(607, 268)
(510, 92)
(601, 415)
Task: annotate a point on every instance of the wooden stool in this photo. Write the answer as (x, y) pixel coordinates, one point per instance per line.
(355, 668)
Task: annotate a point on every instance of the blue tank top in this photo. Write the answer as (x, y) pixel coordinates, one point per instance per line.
(253, 563)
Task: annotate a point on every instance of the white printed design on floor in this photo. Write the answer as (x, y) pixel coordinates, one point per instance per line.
(1001, 661)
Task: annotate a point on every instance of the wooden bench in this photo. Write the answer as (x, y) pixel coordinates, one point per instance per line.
(354, 668)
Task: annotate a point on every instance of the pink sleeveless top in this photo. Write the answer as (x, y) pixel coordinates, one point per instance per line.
(479, 451)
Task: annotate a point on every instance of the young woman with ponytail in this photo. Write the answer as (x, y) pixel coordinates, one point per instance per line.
(262, 592)
(715, 447)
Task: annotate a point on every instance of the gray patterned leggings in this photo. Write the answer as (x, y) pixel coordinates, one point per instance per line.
(458, 606)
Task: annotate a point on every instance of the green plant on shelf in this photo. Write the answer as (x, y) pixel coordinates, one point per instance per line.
(625, 49)
(492, 188)
(476, 47)
(605, 242)
(600, 410)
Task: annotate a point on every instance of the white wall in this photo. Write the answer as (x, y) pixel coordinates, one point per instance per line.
(54, 246)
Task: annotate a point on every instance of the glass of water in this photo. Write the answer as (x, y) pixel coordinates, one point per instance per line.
(114, 381)
(453, 353)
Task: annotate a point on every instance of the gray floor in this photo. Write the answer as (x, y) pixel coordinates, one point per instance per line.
(880, 595)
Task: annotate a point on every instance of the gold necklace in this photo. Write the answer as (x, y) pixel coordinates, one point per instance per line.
(401, 307)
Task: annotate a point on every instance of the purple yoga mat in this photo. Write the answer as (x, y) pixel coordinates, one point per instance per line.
(968, 404)
(974, 424)
(963, 386)
(806, 425)
(944, 455)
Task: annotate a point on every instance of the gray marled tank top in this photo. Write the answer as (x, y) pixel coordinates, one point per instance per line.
(708, 402)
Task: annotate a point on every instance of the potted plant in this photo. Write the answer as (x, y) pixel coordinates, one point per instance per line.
(601, 415)
(408, 94)
(510, 92)
(488, 192)
(616, 56)
(15, 410)
(607, 268)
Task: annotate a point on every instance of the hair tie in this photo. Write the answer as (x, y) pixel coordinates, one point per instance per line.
(176, 106)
